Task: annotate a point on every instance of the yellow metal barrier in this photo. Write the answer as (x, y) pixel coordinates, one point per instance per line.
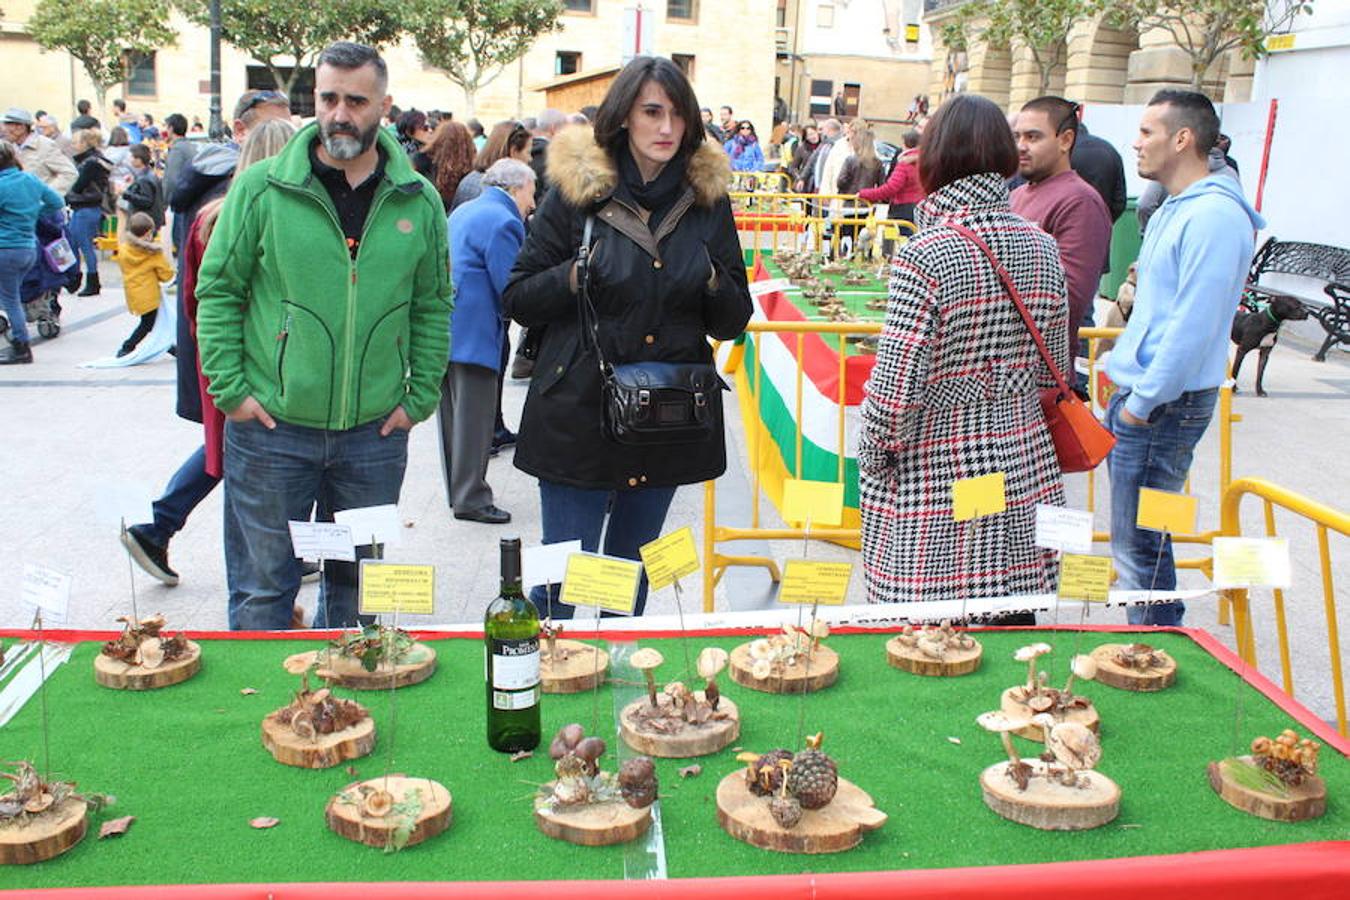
(807, 214)
(1326, 519)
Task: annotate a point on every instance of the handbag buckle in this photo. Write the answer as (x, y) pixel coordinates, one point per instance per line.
(699, 400)
(644, 398)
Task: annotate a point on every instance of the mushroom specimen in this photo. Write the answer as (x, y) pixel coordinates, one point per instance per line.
(646, 660)
(711, 661)
(1003, 725)
(1073, 745)
(1029, 654)
(820, 630)
(1084, 667)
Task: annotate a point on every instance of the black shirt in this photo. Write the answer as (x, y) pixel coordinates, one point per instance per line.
(352, 203)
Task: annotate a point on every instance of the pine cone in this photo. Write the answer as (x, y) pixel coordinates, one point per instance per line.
(813, 779)
(765, 777)
(637, 782)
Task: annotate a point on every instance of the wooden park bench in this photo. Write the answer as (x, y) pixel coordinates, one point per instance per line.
(1300, 268)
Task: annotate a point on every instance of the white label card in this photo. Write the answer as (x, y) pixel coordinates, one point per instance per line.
(1245, 562)
(1066, 530)
(546, 564)
(48, 590)
(123, 502)
(772, 285)
(382, 522)
(322, 540)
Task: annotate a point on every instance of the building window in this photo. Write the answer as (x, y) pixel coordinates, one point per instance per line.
(780, 20)
(683, 10)
(686, 63)
(825, 16)
(567, 62)
(140, 74)
(579, 6)
(301, 95)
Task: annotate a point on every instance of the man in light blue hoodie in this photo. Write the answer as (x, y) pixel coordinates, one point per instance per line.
(1173, 355)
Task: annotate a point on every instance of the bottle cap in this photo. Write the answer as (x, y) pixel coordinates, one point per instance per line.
(510, 560)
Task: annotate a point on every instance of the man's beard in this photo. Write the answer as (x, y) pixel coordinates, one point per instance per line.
(343, 141)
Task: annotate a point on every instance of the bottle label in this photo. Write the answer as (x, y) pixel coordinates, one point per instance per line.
(515, 664)
(510, 700)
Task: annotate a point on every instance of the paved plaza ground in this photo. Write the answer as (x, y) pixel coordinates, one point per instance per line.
(69, 433)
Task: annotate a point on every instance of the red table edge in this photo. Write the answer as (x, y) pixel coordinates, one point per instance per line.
(1309, 871)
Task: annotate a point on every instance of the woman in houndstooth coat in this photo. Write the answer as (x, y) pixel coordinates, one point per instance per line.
(953, 393)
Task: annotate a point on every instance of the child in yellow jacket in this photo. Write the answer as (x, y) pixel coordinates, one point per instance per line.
(144, 267)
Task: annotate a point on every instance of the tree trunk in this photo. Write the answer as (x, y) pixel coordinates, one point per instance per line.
(471, 99)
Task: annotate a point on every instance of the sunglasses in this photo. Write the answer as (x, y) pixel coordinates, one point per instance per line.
(261, 97)
(1070, 120)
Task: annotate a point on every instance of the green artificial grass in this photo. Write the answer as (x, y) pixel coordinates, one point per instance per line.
(187, 762)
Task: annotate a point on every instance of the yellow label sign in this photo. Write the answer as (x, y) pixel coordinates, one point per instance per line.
(603, 581)
(1085, 578)
(805, 581)
(820, 502)
(976, 497)
(1280, 42)
(1166, 511)
(1241, 562)
(669, 558)
(396, 587)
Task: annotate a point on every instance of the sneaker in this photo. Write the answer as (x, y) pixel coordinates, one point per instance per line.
(150, 556)
(309, 571)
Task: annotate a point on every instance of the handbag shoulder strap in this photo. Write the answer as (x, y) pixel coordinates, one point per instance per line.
(1017, 299)
(590, 322)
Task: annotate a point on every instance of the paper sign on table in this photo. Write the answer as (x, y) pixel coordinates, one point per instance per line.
(123, 502)
(808, 581)
(1085, 578)
(322, 540)
(976, 497)
(821, 502)
(1166, 511)
(1067, 530)
(397, 587)
(669, 558)
(546, 564)
(380, 521)
(769, 286)
(1244, 562)
(603, 581)
(48, 590)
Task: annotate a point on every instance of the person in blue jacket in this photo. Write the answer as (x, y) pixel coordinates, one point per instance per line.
(485, 236)
(23, 200)
(744, 150)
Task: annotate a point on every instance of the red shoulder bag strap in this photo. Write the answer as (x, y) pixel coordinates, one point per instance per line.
(1017, 299)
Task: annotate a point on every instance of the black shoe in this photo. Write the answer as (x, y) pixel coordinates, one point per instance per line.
(488, 515)
(91, 286)
(521, 368)
(309, 571)
(19, 353)
(504, 438)
(150, 556)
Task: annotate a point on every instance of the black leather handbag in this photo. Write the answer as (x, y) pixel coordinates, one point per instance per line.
(649, 403)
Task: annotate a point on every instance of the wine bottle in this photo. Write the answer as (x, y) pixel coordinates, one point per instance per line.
(511, 632)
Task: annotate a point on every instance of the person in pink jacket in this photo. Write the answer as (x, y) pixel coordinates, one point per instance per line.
(902, 190)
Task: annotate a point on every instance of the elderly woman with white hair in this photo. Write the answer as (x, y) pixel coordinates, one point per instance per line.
(485, 236)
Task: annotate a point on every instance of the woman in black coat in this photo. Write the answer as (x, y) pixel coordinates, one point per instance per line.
(666, 272)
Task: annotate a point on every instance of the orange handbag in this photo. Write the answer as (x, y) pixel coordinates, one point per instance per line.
(1081, 441)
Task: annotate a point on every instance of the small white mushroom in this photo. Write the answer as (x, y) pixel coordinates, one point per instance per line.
(150, 654)
(645, 660)
(820, 630)
(711, 661)
(761, 649)
(1080, 666)
(1003, 725)
(762, 669)
(1028, 655)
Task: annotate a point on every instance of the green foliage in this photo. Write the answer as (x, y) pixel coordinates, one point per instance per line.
(404, 816)
(278, 34)
(1253, 777)
(1042, 25)
(99, 33)
(472, 40)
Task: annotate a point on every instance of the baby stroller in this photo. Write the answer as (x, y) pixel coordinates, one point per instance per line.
(41, 287)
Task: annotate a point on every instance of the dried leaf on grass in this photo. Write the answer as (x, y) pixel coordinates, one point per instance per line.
(691, 771)
(521, 754)
(264, 822)
(247, 691)
(114, 827)
(351, 770)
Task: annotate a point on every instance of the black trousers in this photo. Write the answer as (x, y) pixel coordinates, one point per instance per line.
(142, 329)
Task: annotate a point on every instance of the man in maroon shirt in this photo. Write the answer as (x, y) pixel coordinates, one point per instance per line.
(1064, 205)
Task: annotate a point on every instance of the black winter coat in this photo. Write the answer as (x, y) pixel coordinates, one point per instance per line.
(654, 300)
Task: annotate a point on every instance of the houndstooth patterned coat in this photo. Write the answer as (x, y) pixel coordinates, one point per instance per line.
(953, 395)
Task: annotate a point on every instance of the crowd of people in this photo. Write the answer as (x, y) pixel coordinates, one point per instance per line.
(608, 236)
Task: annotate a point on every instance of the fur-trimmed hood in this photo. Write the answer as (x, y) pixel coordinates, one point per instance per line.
(145, 244)
(585, 173)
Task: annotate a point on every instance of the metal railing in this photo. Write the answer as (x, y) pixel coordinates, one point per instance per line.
(812, 216)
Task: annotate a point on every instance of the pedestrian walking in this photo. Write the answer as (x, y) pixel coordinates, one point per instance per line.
(23, 200)
(144, 268)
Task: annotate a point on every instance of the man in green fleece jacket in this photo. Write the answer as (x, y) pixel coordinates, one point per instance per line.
(323, 312)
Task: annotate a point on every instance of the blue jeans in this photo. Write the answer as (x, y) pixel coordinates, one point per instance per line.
(275, 476)
(1157, 455)
(83, 229)
(569, 514)
(187, 488)
(14, 264)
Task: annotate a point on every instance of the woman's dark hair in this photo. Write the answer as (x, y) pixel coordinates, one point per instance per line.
(141, 152)
(968, 135)
(452, 151)
(118, 137)
(505, 139)
(410, 123)
(744, 124)
(475, 127)
(9, 156)
(623, 93)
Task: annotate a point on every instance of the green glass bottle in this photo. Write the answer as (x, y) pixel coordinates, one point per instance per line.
(511, 632)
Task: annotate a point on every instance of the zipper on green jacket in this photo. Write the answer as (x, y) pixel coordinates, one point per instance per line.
(284, 337)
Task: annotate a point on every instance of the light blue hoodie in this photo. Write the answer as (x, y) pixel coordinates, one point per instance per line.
(1191, 272)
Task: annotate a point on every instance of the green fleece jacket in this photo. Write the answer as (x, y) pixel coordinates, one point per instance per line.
(285, 315)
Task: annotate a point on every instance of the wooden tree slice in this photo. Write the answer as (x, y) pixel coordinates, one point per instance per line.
(45, 835)
(840, 825)
(692, 740)
(122, 676)
(794, 679)
(1113, 674)
(590, 824)
(954, 662)
(1050, 805)
(347, 671)
(323, 751)
(1305, 801)
(578, 671)
(1016, 708)
(346, 818)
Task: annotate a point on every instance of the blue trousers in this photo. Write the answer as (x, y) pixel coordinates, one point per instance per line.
(187, 487)
(83, 229)
(275, 476)
(1157, 455)
(14, 264)
(569, 514)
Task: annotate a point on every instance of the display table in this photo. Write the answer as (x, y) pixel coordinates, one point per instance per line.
(187, 762)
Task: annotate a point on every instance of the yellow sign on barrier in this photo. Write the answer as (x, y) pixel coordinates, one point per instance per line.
(808, 581)
(669, 558)
(1085, 578)
(603, 581)
(1166, 511)
(973, 498)
(819, 502)
(396, 588)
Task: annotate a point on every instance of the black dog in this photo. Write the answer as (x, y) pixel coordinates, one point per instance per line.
(1260, 329)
